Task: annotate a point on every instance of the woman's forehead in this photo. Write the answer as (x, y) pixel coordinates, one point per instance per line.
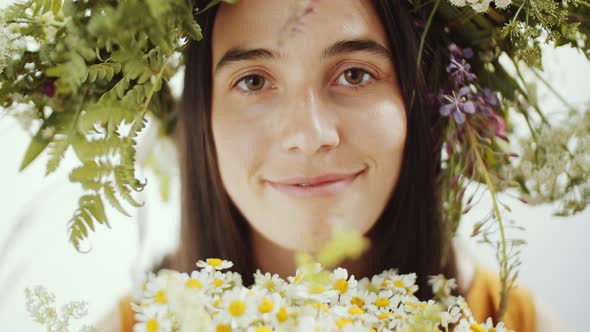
(258, 24)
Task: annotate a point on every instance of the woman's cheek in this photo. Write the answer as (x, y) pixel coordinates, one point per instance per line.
(240, 135)
(378, 128)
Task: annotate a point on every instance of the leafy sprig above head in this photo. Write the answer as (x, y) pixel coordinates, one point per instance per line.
(90, 73)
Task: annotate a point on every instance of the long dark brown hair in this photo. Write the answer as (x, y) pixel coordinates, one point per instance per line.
(409, 234)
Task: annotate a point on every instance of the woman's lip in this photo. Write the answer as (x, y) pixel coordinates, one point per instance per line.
(324, 188)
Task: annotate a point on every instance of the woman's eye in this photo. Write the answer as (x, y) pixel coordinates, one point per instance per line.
(252, 83)
(355, 77)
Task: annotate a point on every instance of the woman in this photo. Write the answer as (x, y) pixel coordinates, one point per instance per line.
(282, 144)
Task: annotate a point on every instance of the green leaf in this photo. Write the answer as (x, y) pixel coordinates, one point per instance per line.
(56, 6)
(39, 142)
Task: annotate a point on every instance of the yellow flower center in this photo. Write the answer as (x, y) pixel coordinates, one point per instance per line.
(358, 301)
(193, 283)
(477, 328)
(384, 315)
(217, 282)
(341, 285)
(161, 297)
(264, 329)
(151, 325)
(265, 306)
(217, 303)
(384, 283)
(282, 315)
(215, 262)
(382, 302)
(355, 311)
(399, 284)
(237, 308)
(342, 321)
(222, 328)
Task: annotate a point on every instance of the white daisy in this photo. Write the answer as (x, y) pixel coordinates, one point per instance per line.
(237, 308)
(214, 264)
(357, 296)
(341, 282)
(384, 300)
(150, 319)
(270, 283)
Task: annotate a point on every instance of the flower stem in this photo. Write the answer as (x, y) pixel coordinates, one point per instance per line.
(526, 94)
(504, 259)
(552, 89)
(421, 47)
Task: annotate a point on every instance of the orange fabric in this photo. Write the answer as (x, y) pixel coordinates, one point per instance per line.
(483, 298)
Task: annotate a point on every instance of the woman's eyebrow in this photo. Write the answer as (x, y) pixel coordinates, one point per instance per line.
(234, 55)
(356, 45)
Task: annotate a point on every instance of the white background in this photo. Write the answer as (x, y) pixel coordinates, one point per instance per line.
(34, 248)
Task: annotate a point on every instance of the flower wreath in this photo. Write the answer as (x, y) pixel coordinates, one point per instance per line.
(88, 75)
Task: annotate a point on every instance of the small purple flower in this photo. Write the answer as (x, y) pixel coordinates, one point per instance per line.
(485, 101)
(48, 88)
(460, 71)
(458, 105)
(456, 51)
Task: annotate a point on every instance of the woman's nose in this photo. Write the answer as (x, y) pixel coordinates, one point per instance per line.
(309, 126)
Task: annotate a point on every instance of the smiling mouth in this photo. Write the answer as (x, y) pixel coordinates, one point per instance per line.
(316, 188)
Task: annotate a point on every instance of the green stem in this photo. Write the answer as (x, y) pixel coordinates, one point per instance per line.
(550, 87)
(525, 93)
(504, 261)
(28, 21)
(421, 47)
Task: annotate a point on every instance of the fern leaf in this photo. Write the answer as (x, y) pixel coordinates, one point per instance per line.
(106, 115)
(91, 171)
(122, 179)
(109, 193)
(57, 150)
(89, 150)
(102, 71)
(94, 205)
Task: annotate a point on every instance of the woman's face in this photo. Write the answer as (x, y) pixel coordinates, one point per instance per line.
(323, 106)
